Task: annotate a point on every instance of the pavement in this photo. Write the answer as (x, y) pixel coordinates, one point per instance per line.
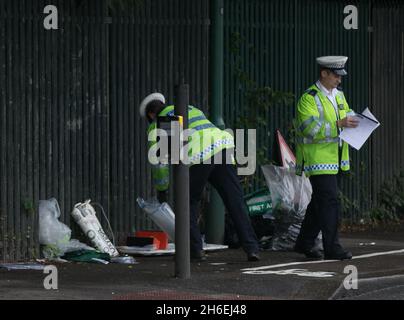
(378, 262)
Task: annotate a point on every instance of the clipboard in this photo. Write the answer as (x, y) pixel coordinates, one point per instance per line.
(356, 137)
(361, 115)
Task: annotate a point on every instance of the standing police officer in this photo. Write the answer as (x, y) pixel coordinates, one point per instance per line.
(205, 142)
(322, 112)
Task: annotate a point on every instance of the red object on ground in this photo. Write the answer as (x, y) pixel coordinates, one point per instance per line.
(161, 236)
(142, 242)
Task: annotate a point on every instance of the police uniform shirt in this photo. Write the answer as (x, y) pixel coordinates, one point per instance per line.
(329, 94)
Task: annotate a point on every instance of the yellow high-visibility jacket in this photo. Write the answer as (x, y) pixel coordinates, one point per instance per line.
(203, 143)
(318, 147)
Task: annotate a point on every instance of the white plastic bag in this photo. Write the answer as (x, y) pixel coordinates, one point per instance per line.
(161, 214)
(85, 216)
(51, 230)
(53, 234)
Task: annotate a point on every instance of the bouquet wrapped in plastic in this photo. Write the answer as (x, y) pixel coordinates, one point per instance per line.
(291, 195)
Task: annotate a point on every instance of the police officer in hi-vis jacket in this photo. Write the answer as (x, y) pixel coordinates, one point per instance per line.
(322, 112)
(204, 143)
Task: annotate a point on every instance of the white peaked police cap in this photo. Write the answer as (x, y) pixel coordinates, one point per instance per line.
(147, 100)
(335, 63)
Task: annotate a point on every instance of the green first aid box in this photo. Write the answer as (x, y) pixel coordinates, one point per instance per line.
(259, 203)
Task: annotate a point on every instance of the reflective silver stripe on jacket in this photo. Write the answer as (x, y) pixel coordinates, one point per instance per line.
(306, 123)
(315, 130)
(203, 126)
(313, 141)
(328, 130)
(195, 119)
(319, 107)
(208, 150)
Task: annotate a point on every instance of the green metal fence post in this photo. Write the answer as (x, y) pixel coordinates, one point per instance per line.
(215, 214)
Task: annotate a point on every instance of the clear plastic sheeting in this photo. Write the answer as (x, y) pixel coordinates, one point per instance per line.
(53, 234)
(161, 214)
(291, 195)
(22, 266)
(124, 260)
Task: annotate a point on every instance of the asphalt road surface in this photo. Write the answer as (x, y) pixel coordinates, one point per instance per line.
(376, 272)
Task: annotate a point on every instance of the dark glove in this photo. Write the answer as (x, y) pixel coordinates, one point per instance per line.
(162, 196)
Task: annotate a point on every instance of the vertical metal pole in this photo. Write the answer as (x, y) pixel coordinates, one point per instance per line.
(216, 63)
(181, 195)
(215, 214)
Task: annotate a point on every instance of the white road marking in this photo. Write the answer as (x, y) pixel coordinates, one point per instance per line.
(367, 281)
(298, 272)
(370, 255)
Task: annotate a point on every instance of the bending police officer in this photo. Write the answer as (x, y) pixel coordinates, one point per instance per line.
(205, 142)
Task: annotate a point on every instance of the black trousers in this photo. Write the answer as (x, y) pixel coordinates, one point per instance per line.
(224, 178)
(322, 214)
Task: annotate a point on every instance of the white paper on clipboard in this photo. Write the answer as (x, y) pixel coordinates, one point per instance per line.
(356, 137)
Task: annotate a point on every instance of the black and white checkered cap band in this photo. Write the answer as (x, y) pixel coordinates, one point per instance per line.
(333, 65)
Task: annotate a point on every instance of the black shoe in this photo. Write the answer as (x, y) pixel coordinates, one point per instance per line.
(311, 253)
(342, 255)
(253, 256)
(198, 256)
